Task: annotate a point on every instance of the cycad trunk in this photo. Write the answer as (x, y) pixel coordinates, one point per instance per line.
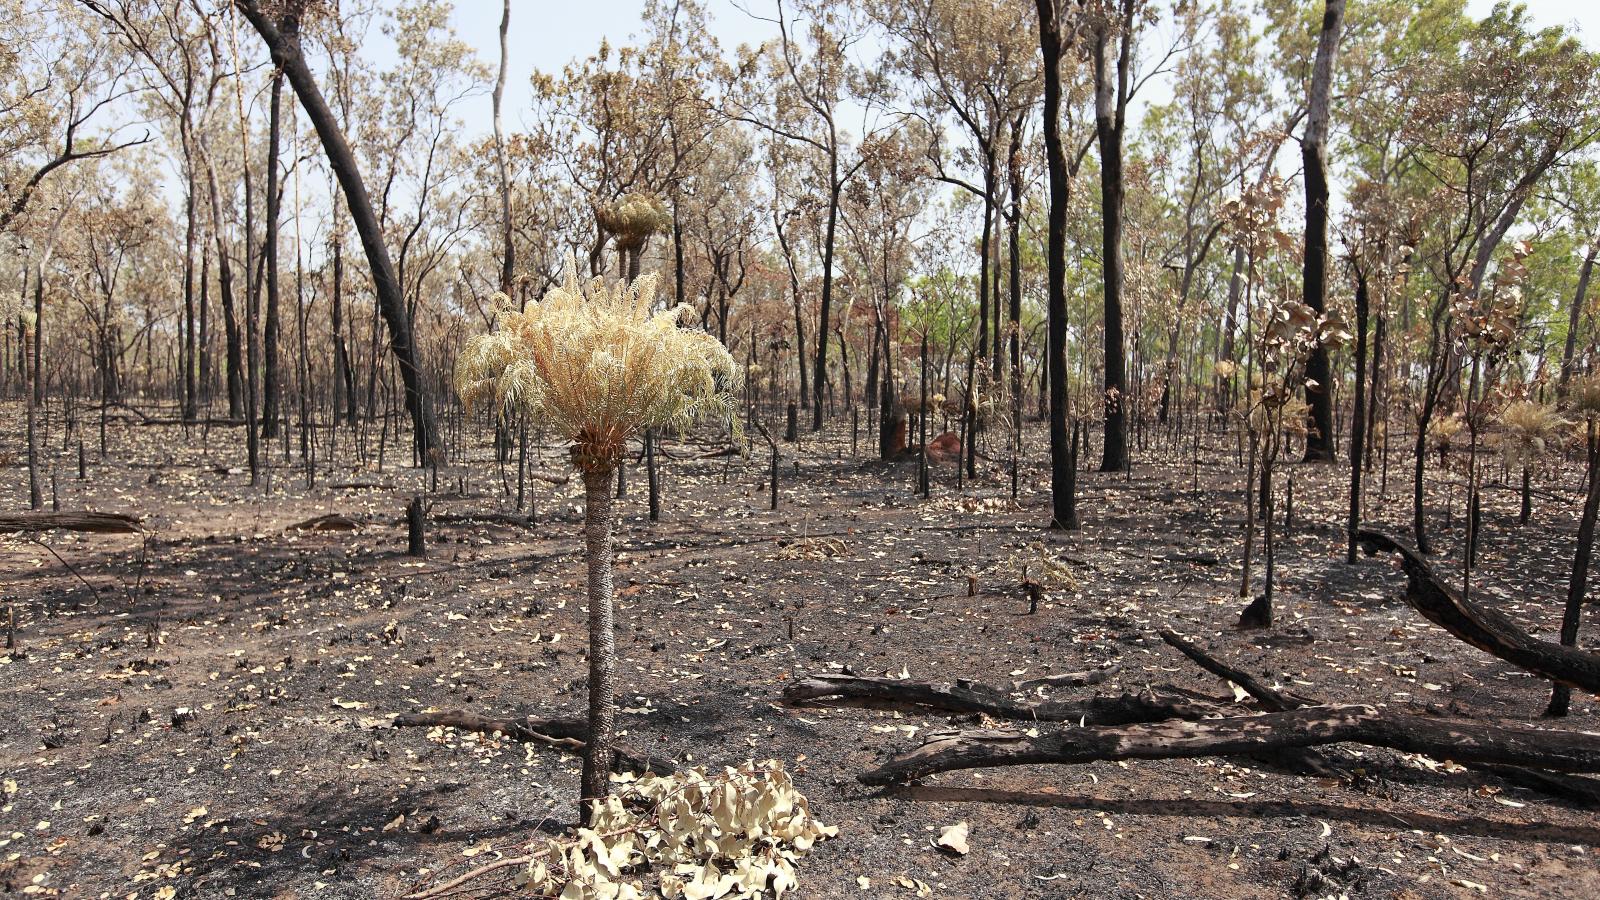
(602, 639)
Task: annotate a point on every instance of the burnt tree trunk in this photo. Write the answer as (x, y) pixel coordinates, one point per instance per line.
(1320, 440)
(1063, 490)
(1484, 628)
(1577, 586)
(1111, 62)
(287, 56)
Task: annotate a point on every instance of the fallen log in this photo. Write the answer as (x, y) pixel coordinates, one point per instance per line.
(1462, 741)
(1270, 699)
(1300, 759)
(95, 522)
(1069, 679)
(1484, 628)
(329, 522)
(569, 734)
(1567, 787)
(971, 699)
(483, 519)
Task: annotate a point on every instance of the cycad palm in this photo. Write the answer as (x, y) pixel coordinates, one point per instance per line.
(592, 363)
(1528, 426)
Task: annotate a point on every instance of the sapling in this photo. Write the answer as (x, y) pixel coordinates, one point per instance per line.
(594, 363)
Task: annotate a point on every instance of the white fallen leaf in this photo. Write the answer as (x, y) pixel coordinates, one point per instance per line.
(954, 838)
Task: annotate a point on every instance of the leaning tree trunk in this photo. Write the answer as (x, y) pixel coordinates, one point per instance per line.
(287, 56)
(602, 639)
(1314, 154)
(1561, 695)
(1572, 319)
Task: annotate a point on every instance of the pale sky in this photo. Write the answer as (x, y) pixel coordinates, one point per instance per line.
(547, 34)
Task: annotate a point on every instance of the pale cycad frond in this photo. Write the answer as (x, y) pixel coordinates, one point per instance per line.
(592, 362)
(1527, 427)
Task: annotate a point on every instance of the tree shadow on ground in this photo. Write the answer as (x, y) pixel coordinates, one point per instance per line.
(331, 836)
(1473, 826)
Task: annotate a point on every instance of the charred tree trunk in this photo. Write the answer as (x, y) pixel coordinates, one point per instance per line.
(1577, 585)
(1464, 741)
(1358, 416)
(1573, 316)
(391, 299)
(1063, 492)
(1320, 440)
(271, 380)
(1484, 628)
(1111, 61)
(508, 253)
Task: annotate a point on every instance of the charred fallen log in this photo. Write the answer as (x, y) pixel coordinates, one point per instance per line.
(1459, 740)
(96, 522)
(1484, 628)
(972, 699)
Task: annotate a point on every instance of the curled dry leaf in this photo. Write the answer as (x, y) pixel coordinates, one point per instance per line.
(953, 838)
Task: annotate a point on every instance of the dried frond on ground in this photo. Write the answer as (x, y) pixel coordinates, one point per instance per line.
(1038, 564)
(815, 548)
(734, 833)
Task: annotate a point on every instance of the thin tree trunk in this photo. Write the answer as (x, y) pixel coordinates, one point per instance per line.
(1573, 314)
(35, 492)
(271, 386)
(230, 318)
(508, 249)
(1577, 584)
(819, 372)
(1358, 417)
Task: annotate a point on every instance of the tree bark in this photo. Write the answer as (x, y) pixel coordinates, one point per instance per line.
(598, 552)
(568, 733)
(1110, 80)
(1320, 440)
(94, 522)
(1063, 477)
(1573, 319)
(1484, 628)
(233, 351)
(819, 372)
(1577, 585)
(35, 491)
(508, 253)
(1358, 416)
(965, 697)
(271, 387)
